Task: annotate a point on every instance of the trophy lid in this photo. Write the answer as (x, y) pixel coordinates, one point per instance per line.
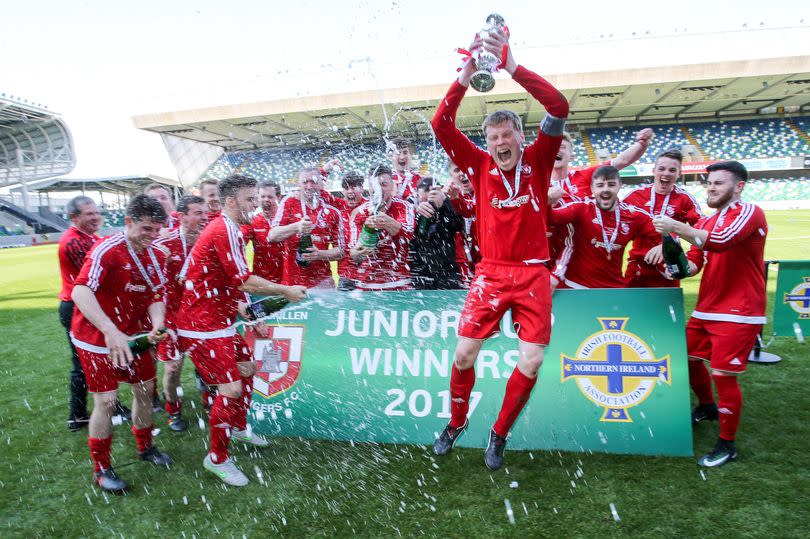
(495, 19)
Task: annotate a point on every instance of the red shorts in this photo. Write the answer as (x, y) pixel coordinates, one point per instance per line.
(497, 287)
(102, 376)
(216, 358)
(641, 275)
(167, 349)
(724, 345)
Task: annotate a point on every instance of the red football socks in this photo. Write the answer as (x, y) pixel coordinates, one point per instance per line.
(224, 413)
(729, 404)
(173, 407)
(701, 382)
(100, 452)
(461, 384)
(518, 389)
(244, 403)
(143, 437)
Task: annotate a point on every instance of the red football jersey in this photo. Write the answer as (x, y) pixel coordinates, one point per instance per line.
(346, 266)
(268, 256)
(177, 250)
(406, 183)
(733, 285)
(679, 205)
(596, 258)
(511, 214)
(216, 270)
(73, 248)
(327, 230)
(122, 291)
(577, 184)
(387, 267)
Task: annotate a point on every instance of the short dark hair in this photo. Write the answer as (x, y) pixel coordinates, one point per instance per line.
(143, 207)
(186, 201)
(672, 153)
(400, 143)
(379, 170)
(352, 179)
(153, 186)
(73, 204)
(500, 116)
(425, 183)
(269, 183)
(233, 183)
(209, 181)
(735, 167)
(607, 172)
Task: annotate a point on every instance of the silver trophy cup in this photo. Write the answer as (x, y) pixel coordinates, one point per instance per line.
(486, 63)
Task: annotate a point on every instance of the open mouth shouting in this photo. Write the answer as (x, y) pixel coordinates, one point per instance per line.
(504, 156)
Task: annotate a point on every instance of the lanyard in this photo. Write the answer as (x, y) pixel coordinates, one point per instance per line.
(506, 183)
(406, 181)
(652, 203)
(140, 267)
(608, 243)
(182, 275)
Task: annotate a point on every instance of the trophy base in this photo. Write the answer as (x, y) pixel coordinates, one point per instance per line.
(482, 81)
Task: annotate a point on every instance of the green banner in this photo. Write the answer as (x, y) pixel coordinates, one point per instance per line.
(791, 310)
(376, 367)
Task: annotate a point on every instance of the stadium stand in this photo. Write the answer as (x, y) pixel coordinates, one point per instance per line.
(616, 139)
(739, 139)
(748, 139)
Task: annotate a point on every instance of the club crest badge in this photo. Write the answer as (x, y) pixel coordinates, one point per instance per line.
(278, 358)
(799, 298)
(615, 369)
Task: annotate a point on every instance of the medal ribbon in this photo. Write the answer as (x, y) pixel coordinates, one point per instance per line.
(506, 183)
(139, 265)
(608, 243)
(663, 206)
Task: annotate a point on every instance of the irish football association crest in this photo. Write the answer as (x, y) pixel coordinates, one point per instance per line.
(615, 369)
(278, 358)
(799, 298)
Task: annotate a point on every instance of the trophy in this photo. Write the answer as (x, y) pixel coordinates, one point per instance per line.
(369, 236)
(486, 62)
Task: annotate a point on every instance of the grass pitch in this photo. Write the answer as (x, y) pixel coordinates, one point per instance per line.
(337, 489)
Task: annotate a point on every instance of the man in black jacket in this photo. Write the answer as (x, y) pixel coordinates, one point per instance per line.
(433, 248)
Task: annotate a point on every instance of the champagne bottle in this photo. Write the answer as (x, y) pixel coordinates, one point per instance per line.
(267, 306)
(674, 258)
(142, 343)
(423, 223)
(304, 243)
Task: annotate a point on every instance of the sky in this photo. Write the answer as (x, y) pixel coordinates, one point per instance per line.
(99, 63)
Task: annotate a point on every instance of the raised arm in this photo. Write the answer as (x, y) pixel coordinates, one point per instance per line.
(633, 152)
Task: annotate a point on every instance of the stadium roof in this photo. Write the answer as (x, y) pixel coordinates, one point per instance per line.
(665, 94)
(129, 185)
(35, 143)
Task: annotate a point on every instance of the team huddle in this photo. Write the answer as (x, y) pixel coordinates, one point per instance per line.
(513, 225)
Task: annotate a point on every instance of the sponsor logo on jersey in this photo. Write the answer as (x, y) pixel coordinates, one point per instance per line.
(615, 369)
(129, 287)
(798, 299)
(509, 202)
(278, 358)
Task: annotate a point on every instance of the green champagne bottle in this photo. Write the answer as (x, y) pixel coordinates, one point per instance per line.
(267, 306)
(304, 243)
(674, 258)
(369, 237)
(142, 343)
